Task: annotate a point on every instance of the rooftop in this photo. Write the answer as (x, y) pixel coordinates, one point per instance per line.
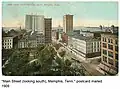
(109, 33)
(79, 36)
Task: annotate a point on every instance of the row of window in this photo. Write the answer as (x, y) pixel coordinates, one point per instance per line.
(7, 43)
(105, 59)
(110, 61)
(110, 46)
(7, 47)
(93, 45)
(110, 40)
(110, 54)
(92, 50)
(7, 40)
(104, 45)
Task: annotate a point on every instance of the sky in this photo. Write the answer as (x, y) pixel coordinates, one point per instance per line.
(85, 13)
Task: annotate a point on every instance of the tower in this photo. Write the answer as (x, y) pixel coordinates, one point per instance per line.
(67, 23)
(48, 30)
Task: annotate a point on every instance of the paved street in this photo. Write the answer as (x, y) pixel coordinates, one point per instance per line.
(92, 71)
(90, 67)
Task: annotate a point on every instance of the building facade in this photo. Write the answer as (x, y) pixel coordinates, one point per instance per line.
(40, 39)
(109, 53)
(23, 43)
(84, 47)
(9, 42)
(34, 23)
(48, 30)
(31, 40)
(64, 37)
(67, 23)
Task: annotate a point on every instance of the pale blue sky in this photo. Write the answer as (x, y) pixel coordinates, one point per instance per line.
(85, 13)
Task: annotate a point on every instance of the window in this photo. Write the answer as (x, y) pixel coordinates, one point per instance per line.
(94, 44)
(105, 52)
(116, 42)
(116, 56)
(104, 59)
(98, 44)
(116, 48)
(110, 54)
(110, 46)
(104, 45)
(104, 39)
(108, 40)
(110, 61)
(111, 41)
(98, 50)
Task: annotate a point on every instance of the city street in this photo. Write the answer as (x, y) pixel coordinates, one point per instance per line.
(89, 67)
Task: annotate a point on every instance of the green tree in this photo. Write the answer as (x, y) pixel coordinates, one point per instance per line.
(45, 63)
(15, 62)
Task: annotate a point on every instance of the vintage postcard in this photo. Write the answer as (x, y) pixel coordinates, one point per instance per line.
(59, 38)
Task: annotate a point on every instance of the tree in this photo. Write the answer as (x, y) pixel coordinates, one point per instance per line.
(15, 63)
(62, 54)
(4, 33)
(46, 63)
(112, 26)
(101, 27)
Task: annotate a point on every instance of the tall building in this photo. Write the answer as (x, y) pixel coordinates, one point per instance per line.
(28, 22)
(48, 30)
(34, 23)
(109, 53)
(67, 23)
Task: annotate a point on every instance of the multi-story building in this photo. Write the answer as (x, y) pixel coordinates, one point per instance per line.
(9, 42)
(109, 53)
(23, 43)
(64, 37)
(53, 35)
(40, 39)
(67, 23)
(85, 48)
(31, 40)
(56, 33)
(48, 30)
(34, 23)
